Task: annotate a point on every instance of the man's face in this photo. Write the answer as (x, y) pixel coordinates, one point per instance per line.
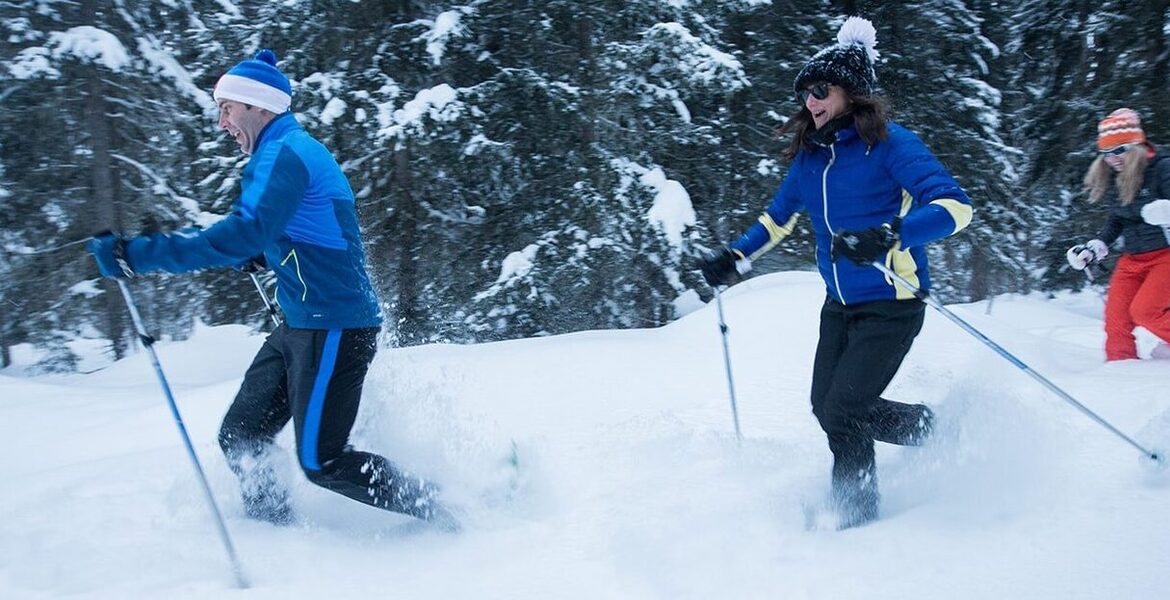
(243, 122)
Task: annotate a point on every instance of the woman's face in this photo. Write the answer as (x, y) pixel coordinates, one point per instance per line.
(1117, 156)
(832, 103)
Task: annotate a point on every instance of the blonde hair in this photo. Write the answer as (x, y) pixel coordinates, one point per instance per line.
(1129, 179)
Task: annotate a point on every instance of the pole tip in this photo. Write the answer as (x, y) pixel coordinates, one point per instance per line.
(1155, 461)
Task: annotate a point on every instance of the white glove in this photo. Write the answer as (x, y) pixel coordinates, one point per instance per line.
(743, 266)
(1157, 213)
(1083, 255)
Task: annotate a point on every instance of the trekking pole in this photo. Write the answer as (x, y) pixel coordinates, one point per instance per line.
(1158, 458)
(727, 363)
(1088, 270)
(148, 343)
(267, 303)
(52, 249)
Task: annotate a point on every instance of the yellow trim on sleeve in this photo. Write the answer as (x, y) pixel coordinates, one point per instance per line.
(901, 262)
(960, 213)
(776, 232)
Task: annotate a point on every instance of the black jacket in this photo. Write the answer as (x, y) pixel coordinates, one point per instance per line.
(1126, 221)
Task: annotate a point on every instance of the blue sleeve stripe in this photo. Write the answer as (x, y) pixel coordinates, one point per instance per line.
(312, 428)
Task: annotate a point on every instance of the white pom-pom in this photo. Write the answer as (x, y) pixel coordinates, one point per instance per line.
(856, 30)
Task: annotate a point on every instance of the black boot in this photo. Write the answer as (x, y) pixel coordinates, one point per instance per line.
(373, 480)
(270, 507)
(855, 499)
(265, 496)
(902, 424)
(857, 511)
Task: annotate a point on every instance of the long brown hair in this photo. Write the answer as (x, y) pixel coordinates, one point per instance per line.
(869, 116)
(1129, 179)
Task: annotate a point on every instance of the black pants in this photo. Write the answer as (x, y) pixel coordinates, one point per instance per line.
(860, 350)
(315, 378)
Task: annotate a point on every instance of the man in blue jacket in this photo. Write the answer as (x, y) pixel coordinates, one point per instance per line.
(296, 214)
(873, 192)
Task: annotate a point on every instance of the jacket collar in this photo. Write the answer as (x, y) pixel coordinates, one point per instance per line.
(276, 128)
(837, 130)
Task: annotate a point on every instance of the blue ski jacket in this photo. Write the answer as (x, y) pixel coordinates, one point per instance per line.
(850, 185)
(297, 208)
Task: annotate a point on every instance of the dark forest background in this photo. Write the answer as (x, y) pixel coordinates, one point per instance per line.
(507, 154)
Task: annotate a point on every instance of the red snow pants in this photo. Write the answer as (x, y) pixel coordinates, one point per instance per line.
(1139, 295)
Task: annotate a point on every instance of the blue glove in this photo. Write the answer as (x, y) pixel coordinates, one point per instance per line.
(109, 250)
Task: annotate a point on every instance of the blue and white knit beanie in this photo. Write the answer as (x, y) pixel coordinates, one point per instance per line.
(258, 82)
(848, 63)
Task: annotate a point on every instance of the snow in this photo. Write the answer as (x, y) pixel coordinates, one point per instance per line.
(633, 483)
(518, 264)
(439, 103)
(672, 210)
(90, 43)
(701, 62)
(333, 109)
(162, 61)
(447, 25)
(33, 62)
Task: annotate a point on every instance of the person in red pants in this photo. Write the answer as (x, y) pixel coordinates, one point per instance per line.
(1134, 178)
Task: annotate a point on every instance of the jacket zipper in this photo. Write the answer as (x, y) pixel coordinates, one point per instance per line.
(292, 254)
(825, 210)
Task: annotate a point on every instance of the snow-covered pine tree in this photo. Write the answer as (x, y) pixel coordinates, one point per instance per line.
(95, 134)
(939, 60)
(1071, 63)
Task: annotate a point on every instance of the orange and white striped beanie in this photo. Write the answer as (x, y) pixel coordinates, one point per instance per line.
(1122, 126)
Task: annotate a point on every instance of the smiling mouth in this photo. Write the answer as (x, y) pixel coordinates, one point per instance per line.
(819, 114)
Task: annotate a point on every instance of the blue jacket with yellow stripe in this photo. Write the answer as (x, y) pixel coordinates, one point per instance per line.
(297, 208)
(849, 185)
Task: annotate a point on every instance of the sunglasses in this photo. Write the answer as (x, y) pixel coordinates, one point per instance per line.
(820, 91)
(1117, 151)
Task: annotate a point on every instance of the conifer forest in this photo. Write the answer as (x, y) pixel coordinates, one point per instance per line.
(511, 159)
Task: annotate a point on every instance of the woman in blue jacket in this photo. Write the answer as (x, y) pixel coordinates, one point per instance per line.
(873, 192)
(296, 211)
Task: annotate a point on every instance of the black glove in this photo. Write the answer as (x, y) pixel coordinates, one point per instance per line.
(718, 267)
(864, 245)
(109, 250)
(255, 264)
